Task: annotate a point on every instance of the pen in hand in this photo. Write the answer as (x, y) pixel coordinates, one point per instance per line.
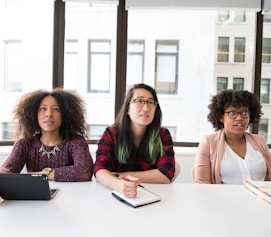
(125, 179)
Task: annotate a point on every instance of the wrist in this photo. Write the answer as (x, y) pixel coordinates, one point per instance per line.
(119, 185)
(47, 171)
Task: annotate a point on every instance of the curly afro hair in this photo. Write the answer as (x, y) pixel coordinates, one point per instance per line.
(71, 105)
(226, 98)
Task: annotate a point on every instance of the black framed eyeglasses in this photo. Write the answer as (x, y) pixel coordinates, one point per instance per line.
(234, 114)
(140, 103)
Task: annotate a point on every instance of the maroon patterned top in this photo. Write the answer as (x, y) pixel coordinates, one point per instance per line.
(71, 164)
(106, 157)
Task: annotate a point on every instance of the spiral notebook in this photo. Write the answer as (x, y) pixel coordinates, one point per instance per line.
(144, 197)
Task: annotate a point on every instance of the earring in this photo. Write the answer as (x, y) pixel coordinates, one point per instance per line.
(36, 132)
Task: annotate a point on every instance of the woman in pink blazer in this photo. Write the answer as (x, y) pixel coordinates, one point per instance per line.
(232, 155)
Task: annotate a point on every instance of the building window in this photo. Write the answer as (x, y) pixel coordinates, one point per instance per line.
(240, 16)
(239, 49)
(265, 91)
(223, 16)
(238, 83)
(7, 131)
(222, 83)
(172, 130)
(266, 53)
(267, 18)
(223, 49)
(71, 64)
(99, 66)
(96, 131)
(263, 128)
(231, 16)
(13, 65)
(135, 62)
(166, 67)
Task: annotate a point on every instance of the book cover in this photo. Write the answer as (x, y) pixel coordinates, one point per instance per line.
(144, 197)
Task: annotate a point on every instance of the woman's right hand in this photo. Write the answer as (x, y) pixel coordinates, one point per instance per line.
(128, 186)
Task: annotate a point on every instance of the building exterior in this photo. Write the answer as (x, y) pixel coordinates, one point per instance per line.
(187, 55)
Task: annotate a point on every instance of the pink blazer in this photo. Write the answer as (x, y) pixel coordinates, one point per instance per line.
(210, 151)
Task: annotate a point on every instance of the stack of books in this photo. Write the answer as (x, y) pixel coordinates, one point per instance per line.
(260, 188)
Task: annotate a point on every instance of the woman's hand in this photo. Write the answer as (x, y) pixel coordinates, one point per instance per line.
(128, 186)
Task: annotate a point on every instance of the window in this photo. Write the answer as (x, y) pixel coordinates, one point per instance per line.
(172, 131)
(26, 54)
(187, 54)
(13, 69)
(7, 131)
(223, 16)
(222, 83)
(96, 131)
(239, 49)
(266, 57)
(166, 76)
(267, 18)
(90, 58)
(99, 66)
(231, 16)
(135, 62)
(223, 49)
(263, 128)
(71, 63)
(238, 83)
(240, 16)
(265, 91)
(178, 65)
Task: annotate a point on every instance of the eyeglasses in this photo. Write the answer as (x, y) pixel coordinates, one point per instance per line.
(140, 103)
(234, 114)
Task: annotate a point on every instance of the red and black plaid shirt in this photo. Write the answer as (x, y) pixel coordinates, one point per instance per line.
(106, 157)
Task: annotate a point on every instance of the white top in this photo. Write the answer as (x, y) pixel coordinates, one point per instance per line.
(89, 209)
(235, 170)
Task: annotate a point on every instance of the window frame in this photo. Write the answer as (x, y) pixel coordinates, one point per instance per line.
(223, 49)
(58, 57)
(173, 86)
(105, 54)
(138, 53)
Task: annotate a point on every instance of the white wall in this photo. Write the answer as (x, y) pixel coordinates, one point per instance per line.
(184, 156)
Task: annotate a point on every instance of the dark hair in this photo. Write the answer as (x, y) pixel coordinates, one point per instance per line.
(227, 98)
(151, 145)
(72, 108)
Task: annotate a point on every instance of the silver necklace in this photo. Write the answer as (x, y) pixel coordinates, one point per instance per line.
(48, 153)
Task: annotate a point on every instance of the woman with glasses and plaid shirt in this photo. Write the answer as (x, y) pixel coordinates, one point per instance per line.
(135, 148)
(232, 155)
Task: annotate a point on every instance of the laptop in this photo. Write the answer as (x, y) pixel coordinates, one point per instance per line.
(16, 186)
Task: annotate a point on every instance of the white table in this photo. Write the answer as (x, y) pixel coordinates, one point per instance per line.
(88, 209)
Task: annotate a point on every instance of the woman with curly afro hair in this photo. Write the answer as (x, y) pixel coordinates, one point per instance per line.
(50, 137)
(232, 155)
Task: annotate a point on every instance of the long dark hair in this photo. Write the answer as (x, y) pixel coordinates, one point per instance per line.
(151, 145)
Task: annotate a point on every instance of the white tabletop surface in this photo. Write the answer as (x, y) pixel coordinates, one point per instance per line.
(88, 209)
